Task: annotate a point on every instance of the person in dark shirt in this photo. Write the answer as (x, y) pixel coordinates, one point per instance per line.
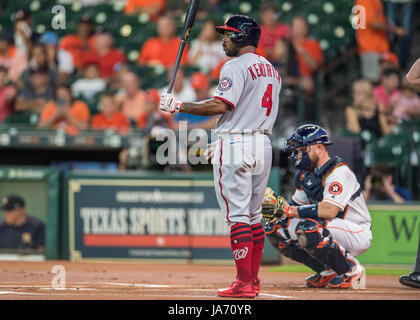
(364, 113)
(19, 230)
(379, 186)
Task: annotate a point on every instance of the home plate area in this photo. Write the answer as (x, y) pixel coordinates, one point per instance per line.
(159, 281)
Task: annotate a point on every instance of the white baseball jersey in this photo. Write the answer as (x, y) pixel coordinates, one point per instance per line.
(251, 86)
(339, 187)
(242, 159)
(352, 227)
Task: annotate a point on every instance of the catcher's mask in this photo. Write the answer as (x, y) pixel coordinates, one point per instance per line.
(298, 144)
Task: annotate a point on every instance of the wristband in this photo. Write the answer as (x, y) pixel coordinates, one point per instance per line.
(309, 211)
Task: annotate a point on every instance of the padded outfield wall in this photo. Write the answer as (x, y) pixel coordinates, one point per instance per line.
(159, 216)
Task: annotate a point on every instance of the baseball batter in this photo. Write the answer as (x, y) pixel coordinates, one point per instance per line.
(246, 101)
(327, 223)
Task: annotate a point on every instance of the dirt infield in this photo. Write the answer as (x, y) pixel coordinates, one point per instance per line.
(153, 281)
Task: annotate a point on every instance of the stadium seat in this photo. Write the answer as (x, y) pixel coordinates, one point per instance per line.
(393, 149)
(152, 77)
(28, 119)
(6, 22)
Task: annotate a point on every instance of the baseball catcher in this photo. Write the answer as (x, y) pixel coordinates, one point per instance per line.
(326, 224)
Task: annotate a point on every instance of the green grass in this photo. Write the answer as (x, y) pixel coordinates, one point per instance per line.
(377, 271)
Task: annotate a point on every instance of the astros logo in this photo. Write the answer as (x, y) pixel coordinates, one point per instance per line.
(335, 188)
(225, 84)
(240, 253)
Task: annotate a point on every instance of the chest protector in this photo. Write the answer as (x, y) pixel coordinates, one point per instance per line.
(312, 183)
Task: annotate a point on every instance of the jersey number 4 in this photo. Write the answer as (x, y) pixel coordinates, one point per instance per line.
(267, 100)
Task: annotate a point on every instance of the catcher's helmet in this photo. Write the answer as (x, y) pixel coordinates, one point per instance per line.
(306, 135)
(245, 30)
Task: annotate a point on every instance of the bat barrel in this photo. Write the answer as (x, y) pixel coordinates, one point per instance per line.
(189, 20)
(176, 66)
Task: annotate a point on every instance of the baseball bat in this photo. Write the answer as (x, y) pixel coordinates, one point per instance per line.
(189, 20)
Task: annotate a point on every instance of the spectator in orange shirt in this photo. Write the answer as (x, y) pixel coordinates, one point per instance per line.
(132, 101)
(163, 49)
(64, 113)
(271, 30)
(104, 55)
(109, 118)
(80, 42)
(309, 57)
(153, 8)
(372, 39)
(308, 51)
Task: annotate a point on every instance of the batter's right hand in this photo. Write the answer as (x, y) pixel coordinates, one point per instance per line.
(169, 103)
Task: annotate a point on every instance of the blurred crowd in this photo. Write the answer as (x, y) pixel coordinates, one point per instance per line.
(84, 81)
(382, 97)
(51, 82)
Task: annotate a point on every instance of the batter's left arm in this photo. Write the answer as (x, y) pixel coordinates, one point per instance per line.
(210, 107)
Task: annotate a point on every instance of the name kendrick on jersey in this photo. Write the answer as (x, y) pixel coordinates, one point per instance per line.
(263, 70)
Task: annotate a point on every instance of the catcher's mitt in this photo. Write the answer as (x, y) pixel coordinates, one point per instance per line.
(273, 205)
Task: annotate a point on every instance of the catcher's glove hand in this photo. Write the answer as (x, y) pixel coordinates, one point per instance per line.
(273, 205)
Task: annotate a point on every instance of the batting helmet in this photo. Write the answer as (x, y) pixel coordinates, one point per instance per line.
(306, 135)
(245, 30)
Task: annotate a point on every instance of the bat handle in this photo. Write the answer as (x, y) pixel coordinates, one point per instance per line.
(176, 66)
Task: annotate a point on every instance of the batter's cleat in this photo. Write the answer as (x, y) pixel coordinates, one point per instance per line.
(320, 280)
(355, 278)
(238, 289)
(412, 280)
(256, 286)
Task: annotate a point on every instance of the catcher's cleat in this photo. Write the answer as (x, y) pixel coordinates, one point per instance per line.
(256, 286)
(412, 280)
(355, 279)
(238, 289)
(320, 280)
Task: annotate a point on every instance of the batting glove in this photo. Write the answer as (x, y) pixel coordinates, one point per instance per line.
(169, 103)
